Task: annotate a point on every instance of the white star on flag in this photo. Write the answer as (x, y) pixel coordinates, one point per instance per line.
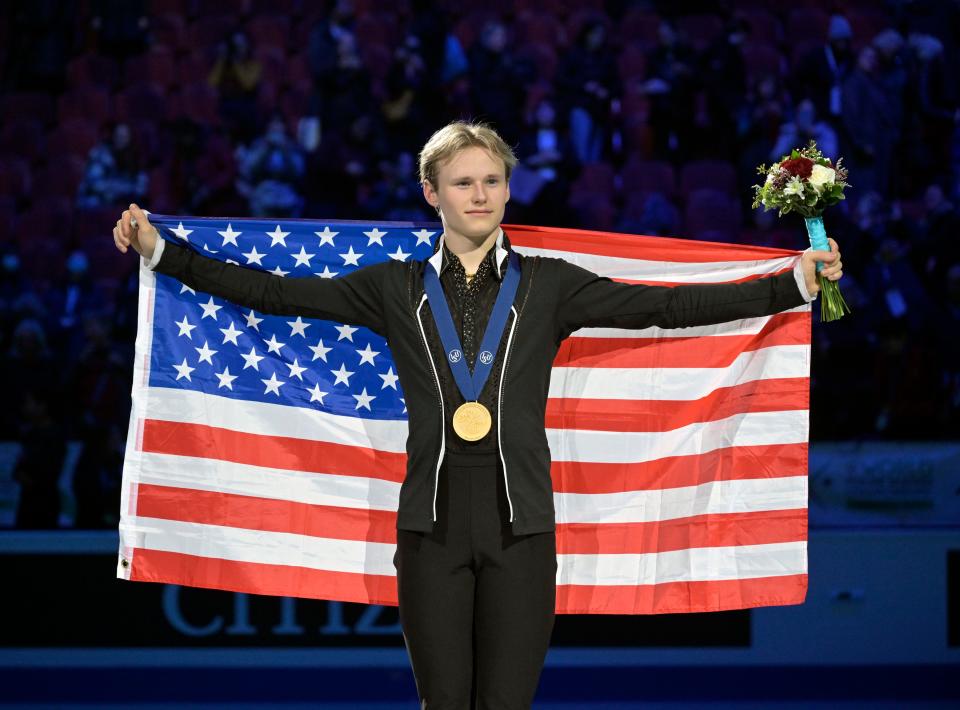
(296, 369)
(375, 236)
(184, 289)
(181, 232)
(209, 309)
(389, 379)
(399, 254)
(346, 331)
(363, 399)
(253, 321)
(351, 257)
(278, 237)
(326, 237)
(367, 354)
(326, 273)
(183, 369)
(230, 335)
(343, 375)
(278, 271)
(423, 236)
(229, 237)
(272, 345)
(319, 351)
(298, 327)
(252, 359)
(254, 257)
(273, 384)
(205, 353)
(208, 249)
(226, 379)
(185, 328)
(303, 258)
(316, 395)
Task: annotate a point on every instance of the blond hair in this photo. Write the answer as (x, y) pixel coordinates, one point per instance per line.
(456, 136)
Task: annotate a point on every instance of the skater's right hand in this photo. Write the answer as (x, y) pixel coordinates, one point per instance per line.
(143, 238)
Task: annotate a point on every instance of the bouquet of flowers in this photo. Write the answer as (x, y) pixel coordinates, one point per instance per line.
(807, 182)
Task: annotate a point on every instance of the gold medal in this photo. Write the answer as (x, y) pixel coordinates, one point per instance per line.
(471, 421)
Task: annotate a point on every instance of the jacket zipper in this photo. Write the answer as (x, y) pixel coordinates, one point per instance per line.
(443, 418)
(503, 376)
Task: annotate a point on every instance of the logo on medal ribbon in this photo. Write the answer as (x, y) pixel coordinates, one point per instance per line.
(486, 357)
(454, 355)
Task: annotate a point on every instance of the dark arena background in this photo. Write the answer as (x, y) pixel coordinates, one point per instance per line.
(637, 117)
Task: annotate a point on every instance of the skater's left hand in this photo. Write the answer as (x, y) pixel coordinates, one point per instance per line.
(832, 266)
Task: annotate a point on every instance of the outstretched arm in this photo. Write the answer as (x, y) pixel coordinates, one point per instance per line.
(356, 298)
(588, 300)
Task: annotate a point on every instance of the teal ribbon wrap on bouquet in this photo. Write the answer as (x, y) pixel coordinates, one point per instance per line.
(818, 236)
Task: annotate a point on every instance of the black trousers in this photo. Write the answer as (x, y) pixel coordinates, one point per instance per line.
(476, 601)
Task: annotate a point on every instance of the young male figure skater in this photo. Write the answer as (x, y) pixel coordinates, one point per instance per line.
(474, 331)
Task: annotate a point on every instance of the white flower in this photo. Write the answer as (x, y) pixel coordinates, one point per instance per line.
(769, 178)
(794, 187)
(822, 175)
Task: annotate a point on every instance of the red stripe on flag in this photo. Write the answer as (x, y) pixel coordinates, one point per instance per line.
(731, 463)
(288, 453)
(718, 530)
(636, 246)
(281, 580)
(253, 513)
(635, 415)
(671, 352)
(673, 597)
(260, 578)
(256, 513)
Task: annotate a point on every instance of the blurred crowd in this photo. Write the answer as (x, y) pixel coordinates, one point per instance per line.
(646, 117)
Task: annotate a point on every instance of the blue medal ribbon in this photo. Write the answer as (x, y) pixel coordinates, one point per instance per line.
(471, 385)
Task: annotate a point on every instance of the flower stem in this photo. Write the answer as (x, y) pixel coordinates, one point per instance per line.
(832, 305)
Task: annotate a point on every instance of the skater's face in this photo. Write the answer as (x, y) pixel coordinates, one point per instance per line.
(471, 192)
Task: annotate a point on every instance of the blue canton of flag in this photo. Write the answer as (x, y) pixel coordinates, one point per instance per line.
(207, 344)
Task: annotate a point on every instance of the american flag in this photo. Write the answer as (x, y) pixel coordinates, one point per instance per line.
(265, 453)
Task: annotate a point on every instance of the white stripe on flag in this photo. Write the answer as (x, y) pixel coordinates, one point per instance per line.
(204, 474)
(712, 498)
(750, 429)
(696, 564)
(744, 326)
(777, 361)
(667, 271)
(192, 407)
(273, 548)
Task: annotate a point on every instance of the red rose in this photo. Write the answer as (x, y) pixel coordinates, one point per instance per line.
(801, 167)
